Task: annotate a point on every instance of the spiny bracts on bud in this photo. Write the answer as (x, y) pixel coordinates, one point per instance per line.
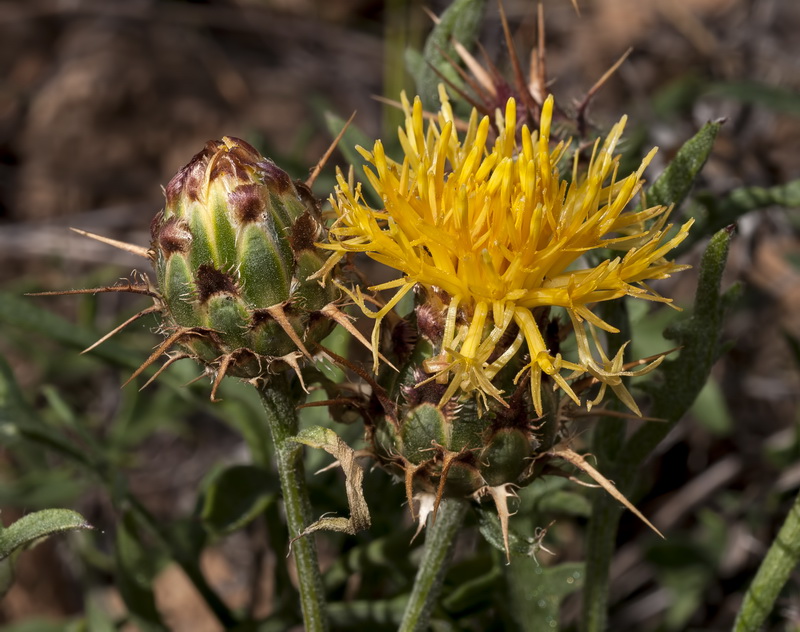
(233, 251)
(237, 267)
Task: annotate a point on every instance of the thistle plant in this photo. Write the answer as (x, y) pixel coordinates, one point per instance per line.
(492, 241)
(500, 349)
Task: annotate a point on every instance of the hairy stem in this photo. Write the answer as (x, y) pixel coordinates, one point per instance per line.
(283, 425)
(439, 546)
(781, 558)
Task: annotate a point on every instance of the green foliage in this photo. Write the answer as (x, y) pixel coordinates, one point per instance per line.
(23, 313)
(674, 184)
(136, 568)
(460, 22)
(781, 559)
(536, 592)
(39, 524)
(672, 390)
(236, 496)
(714, 213)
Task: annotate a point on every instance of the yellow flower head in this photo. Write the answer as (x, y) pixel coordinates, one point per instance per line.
(495, 228)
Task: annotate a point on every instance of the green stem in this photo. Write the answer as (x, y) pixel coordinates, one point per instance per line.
(439, 546)
(282, 421)
(600, 542)
(781, 558)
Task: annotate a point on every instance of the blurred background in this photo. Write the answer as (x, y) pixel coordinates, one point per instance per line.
(102, 102)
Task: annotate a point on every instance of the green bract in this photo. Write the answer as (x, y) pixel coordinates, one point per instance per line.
(465, 446)
(233, 251)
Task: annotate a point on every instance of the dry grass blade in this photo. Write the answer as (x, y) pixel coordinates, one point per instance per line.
(519, 77)
(587, 99)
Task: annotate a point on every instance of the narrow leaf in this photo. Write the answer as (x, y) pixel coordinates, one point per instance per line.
(236, 496)
(461, 23)
(135, 572)
(37, 525)
(674, 184)
(535, 593)
(781, 559)
(716, 213)
(23, 313)
(19, 421)
(698, 334)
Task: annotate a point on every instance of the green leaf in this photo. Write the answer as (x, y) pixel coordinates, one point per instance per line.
(769, 96)
(241, 409)
(37, 525)
(135, 571)
(535, 592)
(711, 410)
(236, 496)
(41, 488)
(782, 557)
(565, 502)
(674, 184)
(19, 421)
(699, 336)
(681, 380)
(519, 546)
(717, 213)
(97, 619)
(22, 312)
(6, 575)
(386, 556)
(461, 23)
(366, 614)
(470, 592)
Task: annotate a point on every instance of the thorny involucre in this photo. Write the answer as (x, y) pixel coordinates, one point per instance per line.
(505, 258)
